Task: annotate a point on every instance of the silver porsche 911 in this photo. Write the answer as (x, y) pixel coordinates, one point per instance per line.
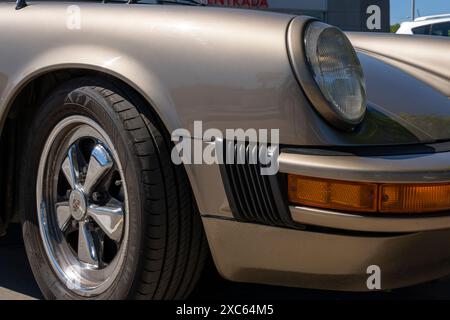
(101, 102)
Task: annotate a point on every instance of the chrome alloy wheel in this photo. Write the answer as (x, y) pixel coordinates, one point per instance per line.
(82, 199)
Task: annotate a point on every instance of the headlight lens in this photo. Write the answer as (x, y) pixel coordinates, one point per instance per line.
(336, 70)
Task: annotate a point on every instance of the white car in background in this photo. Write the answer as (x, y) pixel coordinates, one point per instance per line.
(432, 25)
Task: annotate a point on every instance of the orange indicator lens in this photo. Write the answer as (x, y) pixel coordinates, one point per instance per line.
(397, 198)
(332, 194)
(368, 197)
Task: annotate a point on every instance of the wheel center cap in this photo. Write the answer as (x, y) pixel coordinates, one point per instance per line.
(77, 204)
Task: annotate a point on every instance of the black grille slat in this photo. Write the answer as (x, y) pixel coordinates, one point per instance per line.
(251, 195)
(245, 193)
(254, 173)
(241, 202)
(270, 210)
(258, 202)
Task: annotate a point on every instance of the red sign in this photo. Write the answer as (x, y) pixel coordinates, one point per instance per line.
(260, 4)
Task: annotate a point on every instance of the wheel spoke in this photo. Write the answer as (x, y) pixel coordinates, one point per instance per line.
(109, 217)
(71, 166)
(99, 164)
(63, 215)
(87, 251)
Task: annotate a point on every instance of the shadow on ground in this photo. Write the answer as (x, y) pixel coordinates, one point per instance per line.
(15, 272)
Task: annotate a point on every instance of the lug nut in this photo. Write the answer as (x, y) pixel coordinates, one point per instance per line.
(97, 196)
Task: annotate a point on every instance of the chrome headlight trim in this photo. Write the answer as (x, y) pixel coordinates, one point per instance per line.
(307, 75)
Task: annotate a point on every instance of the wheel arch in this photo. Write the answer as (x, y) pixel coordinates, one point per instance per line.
(25, 99)
(14, 99)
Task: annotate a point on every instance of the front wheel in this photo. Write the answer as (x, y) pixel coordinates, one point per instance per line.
(105, 213)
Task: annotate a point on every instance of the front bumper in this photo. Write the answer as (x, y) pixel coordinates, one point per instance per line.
(332, 250)
(261, 254)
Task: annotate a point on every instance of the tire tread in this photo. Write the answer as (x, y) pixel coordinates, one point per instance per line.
(175, 248)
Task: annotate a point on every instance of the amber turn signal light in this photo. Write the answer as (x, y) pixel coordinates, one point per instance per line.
(398, 198)
(368, 197)
(332, 194)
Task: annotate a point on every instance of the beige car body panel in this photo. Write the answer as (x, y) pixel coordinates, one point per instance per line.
(168, 53)
(185, 51)
(230, 68)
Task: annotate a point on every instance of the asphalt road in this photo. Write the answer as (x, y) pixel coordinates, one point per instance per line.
(17, 282)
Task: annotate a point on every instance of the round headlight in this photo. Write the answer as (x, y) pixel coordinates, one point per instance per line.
(337, 71)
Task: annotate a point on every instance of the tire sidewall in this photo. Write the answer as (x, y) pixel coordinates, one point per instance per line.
(75, 98)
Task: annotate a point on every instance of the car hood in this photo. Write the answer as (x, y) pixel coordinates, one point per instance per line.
(408, 81)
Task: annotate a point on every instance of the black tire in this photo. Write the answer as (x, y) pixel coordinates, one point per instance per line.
(166, 248)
